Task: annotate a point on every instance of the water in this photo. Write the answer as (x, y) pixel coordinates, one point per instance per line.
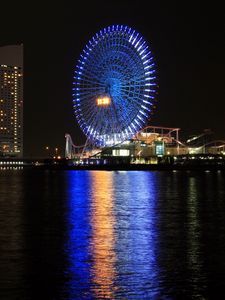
(111, 235)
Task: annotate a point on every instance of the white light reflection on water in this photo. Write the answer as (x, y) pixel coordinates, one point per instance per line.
(194, 255)
(136, 236)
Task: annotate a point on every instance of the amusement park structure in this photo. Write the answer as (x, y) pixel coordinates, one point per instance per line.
(114, 86)
(148, 143)
(114, 91)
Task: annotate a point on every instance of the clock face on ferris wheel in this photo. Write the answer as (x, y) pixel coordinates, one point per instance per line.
(114, 85)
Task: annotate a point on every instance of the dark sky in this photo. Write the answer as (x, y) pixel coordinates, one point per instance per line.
(188, 42)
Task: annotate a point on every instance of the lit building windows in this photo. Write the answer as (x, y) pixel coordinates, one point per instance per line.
(11, 95)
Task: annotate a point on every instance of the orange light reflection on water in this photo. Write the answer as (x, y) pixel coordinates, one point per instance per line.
(103, 236)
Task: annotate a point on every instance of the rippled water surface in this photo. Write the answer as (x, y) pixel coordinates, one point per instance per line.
(112, 235)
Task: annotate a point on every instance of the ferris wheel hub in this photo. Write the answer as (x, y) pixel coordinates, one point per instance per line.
(103, 101)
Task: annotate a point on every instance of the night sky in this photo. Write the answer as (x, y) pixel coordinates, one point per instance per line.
(188, 43)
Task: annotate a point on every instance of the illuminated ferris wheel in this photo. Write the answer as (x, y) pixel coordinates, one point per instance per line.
(114, 85)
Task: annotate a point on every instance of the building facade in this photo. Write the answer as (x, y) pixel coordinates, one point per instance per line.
(11, 101)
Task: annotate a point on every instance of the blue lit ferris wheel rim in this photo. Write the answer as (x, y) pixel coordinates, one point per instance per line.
(116, 64)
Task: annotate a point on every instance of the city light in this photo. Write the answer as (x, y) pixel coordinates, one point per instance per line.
(11, 112)
(103, 101)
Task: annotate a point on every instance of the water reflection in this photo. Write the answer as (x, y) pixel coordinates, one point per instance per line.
(76, 247)
(103, 235)
(113, 236)
(11, 235)
(193, 238)
(137, 236)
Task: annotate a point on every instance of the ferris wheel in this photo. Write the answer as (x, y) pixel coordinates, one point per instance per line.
(114, 85)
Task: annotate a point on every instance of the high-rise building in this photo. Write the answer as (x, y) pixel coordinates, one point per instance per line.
(11, 101)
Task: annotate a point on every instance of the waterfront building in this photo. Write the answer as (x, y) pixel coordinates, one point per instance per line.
(11, 101)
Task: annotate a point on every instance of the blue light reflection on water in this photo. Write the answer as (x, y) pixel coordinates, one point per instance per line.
(76, 246)
(112, 236)
(137, 235)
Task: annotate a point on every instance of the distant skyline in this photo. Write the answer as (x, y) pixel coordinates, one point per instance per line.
(188, 45)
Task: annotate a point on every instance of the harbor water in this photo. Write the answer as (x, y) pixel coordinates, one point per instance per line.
(112, 234)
